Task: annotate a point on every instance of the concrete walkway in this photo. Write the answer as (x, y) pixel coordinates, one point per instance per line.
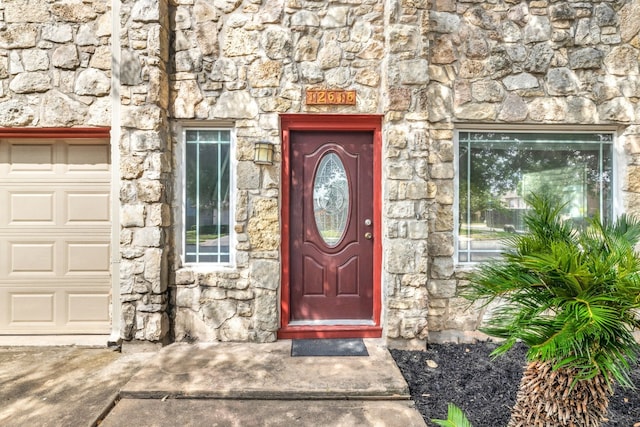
(233, 384)
(262, 413)
(214, 384)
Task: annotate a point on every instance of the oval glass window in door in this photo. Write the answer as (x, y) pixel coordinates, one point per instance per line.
(331, 199)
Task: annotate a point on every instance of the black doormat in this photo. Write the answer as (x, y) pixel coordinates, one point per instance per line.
(329, 347)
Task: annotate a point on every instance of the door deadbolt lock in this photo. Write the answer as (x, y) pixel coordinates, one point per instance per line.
(367, 222)
(368, 235)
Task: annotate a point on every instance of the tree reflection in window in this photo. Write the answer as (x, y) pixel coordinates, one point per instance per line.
(497, 169)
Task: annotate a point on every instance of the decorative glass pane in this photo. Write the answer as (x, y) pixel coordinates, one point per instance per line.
(207, 209)
(499, 169)
(331, 199)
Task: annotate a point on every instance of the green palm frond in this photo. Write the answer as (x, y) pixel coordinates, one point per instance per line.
(572, 296)
(455, 418)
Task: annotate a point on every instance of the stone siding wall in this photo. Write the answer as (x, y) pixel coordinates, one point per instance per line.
(55, 63)
(248, 62)
(428, 67)
(530, 63)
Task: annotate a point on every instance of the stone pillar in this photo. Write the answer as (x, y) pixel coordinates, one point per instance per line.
(409, 189)
(145, 170)
(442, 284)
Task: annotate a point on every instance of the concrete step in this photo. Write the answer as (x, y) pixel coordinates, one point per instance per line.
(263, 413)
(266, 371)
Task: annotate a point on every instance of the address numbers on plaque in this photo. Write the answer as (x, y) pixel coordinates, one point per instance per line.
(331, 97)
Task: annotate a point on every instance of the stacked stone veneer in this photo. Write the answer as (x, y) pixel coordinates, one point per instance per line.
(428, 67)
(250, 61)
(417, 176)
(55, 62)
(530, 63)
(145, 170)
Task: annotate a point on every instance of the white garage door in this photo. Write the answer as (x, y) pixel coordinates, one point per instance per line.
(54, 236)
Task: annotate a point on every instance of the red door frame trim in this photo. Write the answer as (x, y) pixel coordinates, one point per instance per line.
(331, 122)
(66, 133)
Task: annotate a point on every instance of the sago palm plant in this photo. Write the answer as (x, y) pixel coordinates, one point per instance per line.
(455, 418)
(573, 297)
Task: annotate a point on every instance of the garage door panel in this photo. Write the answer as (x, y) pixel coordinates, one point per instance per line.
(31, 158)
(87, 207)
(55, 235)
(88, 307)
(82, 157)
(32, 307)
(49, 310)
(31, 207)
(32, 257)
(87, 258)
(68, 254)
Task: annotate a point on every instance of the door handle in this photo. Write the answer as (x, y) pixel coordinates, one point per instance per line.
(368, 235)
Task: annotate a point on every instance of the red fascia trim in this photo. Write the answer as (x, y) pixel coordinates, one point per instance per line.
(331, 122)
(346, 122)
(66, 133)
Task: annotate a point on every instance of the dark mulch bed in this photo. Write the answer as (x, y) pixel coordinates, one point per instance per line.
(485, 389)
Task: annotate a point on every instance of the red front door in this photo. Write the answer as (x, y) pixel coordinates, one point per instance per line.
(331, 227)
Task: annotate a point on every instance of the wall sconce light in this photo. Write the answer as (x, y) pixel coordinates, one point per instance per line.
(263, 153)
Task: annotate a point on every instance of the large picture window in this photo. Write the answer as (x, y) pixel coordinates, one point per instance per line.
(207, 191)
(497, 170)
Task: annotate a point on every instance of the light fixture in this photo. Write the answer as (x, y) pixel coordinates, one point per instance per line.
(263, 153)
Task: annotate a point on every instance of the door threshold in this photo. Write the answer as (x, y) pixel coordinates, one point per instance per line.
(332, 322)
(329, 331)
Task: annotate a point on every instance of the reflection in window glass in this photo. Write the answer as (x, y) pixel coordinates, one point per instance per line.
(207, 196)
(497, 170)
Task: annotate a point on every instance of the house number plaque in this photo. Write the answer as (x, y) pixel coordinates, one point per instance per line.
(331, 97)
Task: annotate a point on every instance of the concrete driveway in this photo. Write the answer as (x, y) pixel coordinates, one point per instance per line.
(62, 386)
